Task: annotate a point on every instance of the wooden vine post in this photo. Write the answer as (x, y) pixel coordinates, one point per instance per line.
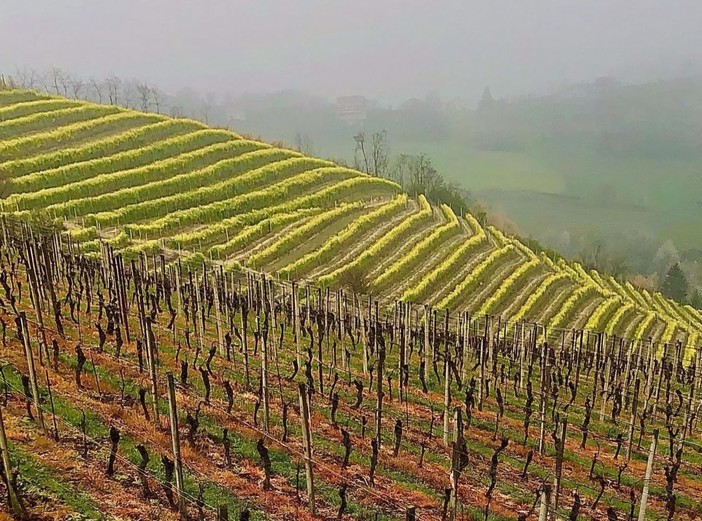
(364, 336)
(521, 352)
(15, 504)
(296, 322)
(560, 439)
(320, 354)
(179, 301)
(379, 386)
(481, 389)
(542, 398)
(264, 383)
(647, 478)
(218, 316)
(456, 462)
(32, 369)
(634, 410)
(175, 438)
(307, 445)
(122, 294)
(427, 360)
(153, 376)
(607, 355)
(465, 332)
(401, 354)
(545, 501)
(271, 304)
(244, 338)
(32, 273)
(447, 396)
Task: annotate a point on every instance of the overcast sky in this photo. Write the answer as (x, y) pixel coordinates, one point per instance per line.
(389, 49)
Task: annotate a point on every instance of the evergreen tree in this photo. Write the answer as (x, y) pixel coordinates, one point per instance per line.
(675, 284)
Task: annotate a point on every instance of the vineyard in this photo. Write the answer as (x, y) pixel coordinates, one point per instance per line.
(223, 329)
(149, 184)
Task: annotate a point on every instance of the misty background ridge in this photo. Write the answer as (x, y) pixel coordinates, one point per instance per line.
(390, 50)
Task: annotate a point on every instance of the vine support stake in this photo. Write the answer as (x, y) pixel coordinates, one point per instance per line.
(647, 478)
(545, 500)
(264, 384)
(32, 370)
(14, 498)
(447, 396)
(175, 437)
(563, 424)
(634, 410)
(307, 445)
(151, 357)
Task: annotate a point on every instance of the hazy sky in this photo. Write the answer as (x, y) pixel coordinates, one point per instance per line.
(385, 48)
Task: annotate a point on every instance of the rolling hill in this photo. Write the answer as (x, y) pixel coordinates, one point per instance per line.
(153, 184)
(232, 379)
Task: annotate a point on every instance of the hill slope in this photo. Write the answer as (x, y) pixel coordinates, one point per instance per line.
(152, 184)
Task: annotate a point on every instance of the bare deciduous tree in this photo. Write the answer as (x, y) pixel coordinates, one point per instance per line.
(157, 95)
(144, 92)
(77, 87)
(380, 153)
(205, 110)
(303, 144)
(26, 78)
(176, 111)
(97, 87)
(53, 79)
(360, 147)
(65, 82)
(113, 85)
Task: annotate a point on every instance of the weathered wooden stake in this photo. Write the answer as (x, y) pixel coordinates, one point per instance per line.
(447, 396)
(647, 478)
(456, 458)
(542, 399)
(296, 322)
(634, 410)
(606, 374)
(34, 289)
(264, 384)
(545, 502)
(218, 317)
(175, 437)
(307, 444)
(481, 389)
(559, 460)
(51, 402)
(32, 370)
(380, 351)
(7, 467)
(151, 357)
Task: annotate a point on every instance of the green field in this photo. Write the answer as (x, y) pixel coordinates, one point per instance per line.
(548, 192)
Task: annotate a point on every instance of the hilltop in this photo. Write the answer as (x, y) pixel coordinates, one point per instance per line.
(146, 183)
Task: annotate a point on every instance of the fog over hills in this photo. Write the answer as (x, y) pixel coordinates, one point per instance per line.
(389, 50)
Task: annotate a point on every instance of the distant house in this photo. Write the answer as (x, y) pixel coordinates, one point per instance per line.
(352, 110)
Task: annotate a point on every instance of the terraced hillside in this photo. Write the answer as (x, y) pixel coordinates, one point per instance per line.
(153, 184)
(433, 397)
